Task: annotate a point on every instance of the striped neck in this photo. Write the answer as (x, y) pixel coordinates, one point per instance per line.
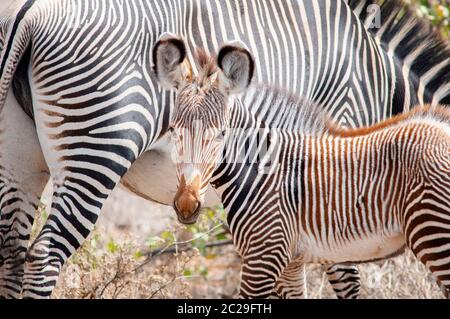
(255, 119)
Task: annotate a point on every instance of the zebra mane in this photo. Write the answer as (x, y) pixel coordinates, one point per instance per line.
(206, 65)
(420, 113)
(417, 38)
(281, 109)
(4, 23)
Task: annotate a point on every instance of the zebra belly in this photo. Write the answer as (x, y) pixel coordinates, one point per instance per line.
(366, 249)
(19, 145)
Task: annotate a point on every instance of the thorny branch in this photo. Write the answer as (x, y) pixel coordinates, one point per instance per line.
(173, 250)
(175, 247)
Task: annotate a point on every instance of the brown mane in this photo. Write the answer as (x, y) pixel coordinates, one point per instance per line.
(420, 111)
(207, 66)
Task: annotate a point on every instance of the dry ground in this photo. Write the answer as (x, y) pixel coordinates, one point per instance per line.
(102, 271)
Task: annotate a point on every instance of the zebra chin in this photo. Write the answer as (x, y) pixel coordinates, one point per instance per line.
(187, 217)
(190, 221)
(187, 206)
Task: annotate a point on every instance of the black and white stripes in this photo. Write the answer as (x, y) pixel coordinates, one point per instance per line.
(97, 107)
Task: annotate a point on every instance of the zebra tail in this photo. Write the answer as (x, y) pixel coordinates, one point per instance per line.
(15, 43)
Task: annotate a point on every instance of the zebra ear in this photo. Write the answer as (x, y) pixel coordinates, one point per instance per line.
(169, 61)
(237, 67)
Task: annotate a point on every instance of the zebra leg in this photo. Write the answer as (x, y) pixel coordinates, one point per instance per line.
(433, 252)
(428, 237)
(427, 223)
(261, 268)
(23, 175)
(257, 279)
(292, 284)
(76, 205)
(18, 203)
(345, 280)
(83, 177)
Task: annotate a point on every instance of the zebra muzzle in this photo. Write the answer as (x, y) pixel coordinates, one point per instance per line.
(187, 202)
(187, 211)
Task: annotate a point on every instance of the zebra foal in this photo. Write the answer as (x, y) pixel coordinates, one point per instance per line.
(317, 193)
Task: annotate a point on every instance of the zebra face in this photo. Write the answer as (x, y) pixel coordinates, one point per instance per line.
(200, 119)
(198, 128)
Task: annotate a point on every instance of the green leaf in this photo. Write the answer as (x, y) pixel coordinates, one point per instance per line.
(442, 11)
(95, 240)
(168, 236)
(138, 254)
(210, 213)
(193, 229)
(112, 247)
(203, 271)
(221, 236)
(187, 272)
(154, 242)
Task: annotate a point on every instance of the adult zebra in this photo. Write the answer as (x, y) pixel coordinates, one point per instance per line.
(82, 74)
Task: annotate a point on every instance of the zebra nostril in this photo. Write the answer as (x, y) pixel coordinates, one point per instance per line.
(175, 206)
(197, 207)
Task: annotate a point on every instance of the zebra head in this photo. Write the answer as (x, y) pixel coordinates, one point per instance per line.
(200, 119)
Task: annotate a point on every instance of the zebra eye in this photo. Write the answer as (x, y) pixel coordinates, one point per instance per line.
(174, 134)
(221, 135)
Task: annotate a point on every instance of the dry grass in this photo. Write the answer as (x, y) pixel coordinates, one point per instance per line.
(99, 272)
(400, 277)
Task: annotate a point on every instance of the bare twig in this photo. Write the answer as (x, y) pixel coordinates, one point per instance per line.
(172, 247)
(167, 284)
(116, 276)
(173, 250)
